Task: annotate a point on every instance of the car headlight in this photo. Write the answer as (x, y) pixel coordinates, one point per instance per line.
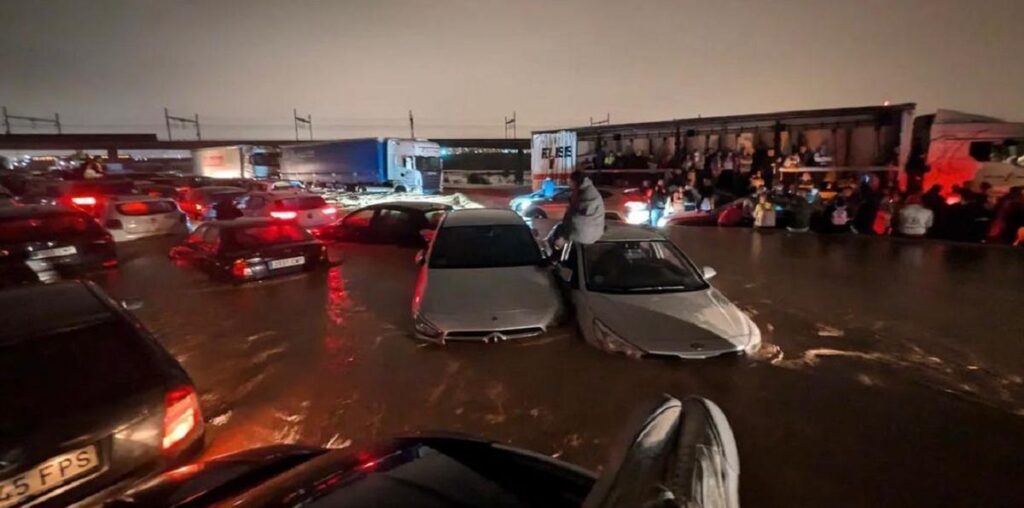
(425, 328)
(609, 341)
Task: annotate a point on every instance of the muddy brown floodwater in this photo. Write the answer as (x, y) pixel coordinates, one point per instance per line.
(890, 375)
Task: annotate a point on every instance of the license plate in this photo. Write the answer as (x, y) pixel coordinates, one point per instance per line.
(49, 475)
(52, 253)
(285, 263)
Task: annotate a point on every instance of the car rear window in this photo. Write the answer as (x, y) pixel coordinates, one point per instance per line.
(271, 234)
(484, 247)
(45, 227)
(300, 203)
(86, 367)
(135, 208)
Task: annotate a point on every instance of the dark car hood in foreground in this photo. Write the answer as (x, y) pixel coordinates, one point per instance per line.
(409, 472)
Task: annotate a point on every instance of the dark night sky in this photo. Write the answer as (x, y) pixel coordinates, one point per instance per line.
(462, 65)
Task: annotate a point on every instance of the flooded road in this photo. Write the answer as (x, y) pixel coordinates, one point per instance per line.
(890, 375)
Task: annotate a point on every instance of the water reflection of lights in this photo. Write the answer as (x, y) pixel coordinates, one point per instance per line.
(339, 302)
(338, 299)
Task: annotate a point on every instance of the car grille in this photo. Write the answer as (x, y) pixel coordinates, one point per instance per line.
(495, 335)
(431, 181)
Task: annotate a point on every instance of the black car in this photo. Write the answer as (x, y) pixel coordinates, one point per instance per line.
(251, 249)
(89, 400)
(399, 223)
(676, 454)
(70, 240)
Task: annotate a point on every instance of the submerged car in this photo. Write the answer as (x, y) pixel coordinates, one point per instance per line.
(69, 240)
(199, 202)
(402, 223)
(636, 293)
(90, 399)
(622, 205)
(86, 195)
(674, 453)
(307, 210)
(244, 250)
(134, 217)
(484, 278)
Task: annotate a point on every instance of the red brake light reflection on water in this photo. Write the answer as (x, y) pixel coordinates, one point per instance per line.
(284, 215)
(329, 210)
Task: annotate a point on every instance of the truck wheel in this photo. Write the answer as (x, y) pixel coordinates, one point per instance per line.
(400, 188)
(536, 213)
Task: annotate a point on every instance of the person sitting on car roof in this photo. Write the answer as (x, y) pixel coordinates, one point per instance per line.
(584, 220)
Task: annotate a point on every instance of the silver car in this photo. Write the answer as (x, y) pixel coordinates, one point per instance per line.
(134, 217)
(636, 293)
(484, 278)
(622, 205)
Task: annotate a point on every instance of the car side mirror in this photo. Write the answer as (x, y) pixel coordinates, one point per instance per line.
(427, 235)
(564, 273)
(421, 257)
(708, 272)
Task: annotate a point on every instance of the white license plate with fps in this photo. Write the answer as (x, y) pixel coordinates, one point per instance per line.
(285, 263)
(48, 475)
(52, 253)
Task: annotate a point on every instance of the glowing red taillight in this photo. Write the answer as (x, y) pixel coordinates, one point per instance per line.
(84, 200)
(182, 417)
(240, 269)
(285, 215)
(329, 210)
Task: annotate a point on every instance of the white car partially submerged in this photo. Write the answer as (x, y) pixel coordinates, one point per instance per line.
(484, 278)
(132, 217)
(636, 293)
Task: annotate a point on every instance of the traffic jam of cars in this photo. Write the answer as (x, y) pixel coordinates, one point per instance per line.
(485, 275)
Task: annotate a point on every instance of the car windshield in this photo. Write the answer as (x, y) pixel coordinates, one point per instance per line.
(45, 227)
(258, 236)
(300, 203)
(484, 247)
(640, 266)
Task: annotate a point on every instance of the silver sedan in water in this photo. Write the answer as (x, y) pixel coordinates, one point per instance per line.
(484, 278)
(636, 293)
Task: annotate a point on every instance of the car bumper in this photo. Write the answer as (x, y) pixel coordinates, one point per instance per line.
(124, 236)
(480, 332)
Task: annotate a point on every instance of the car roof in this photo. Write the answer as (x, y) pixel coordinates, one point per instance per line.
(244, 222)
(482, 217)
(628, 233)
(288, 194)
(18, 212)
(213, 189)
(421, 206)
(35, 310)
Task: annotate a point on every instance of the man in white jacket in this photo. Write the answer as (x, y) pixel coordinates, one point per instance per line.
(584, 219)
(914, 219)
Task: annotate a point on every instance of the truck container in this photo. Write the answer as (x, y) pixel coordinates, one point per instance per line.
(239, 161)
(401, 165)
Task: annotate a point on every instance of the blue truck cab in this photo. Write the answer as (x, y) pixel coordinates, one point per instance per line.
(401, 165)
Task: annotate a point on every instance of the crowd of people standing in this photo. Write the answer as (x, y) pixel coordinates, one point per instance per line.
(870, 205)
